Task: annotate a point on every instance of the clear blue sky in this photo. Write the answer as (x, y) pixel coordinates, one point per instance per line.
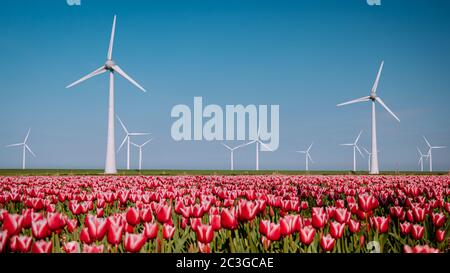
(306, 56)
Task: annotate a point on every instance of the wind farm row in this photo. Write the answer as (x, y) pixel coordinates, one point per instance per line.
(113, 68)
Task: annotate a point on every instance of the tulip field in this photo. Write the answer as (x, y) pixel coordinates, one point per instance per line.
(216, 214)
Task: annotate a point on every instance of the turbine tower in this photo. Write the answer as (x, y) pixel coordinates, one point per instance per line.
(127, 139)
(111, 67)
(25, 148)
(430, 155)
(374, 169)
(140, 151)
(307, 156)
(422, 156)
(355, 147)
(232, 152)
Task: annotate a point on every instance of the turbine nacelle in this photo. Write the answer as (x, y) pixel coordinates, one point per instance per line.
(109, 65)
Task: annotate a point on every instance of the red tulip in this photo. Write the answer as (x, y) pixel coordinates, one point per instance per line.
(354, 226)
(134, 242)
(100, 212)
(440, 235)
(164, 214)
(265, 242)
(40, 229)
(366, 202)
(319, 218)
(214, 220)
(146, 215)
(205, 234)
(228, 218)
(417, 232)
(410, 216)
(438, 219)
(151, 230)
(419, 214)
(20, 243)
(71, 247)
(204, 248)
(132, 216)
(93, 248)
(307, 234)
(197, 211)
(247, 211)
(327, 242)
(273, 232)
(286, 226)
(337, 230)
(264, 227)
(72, 225)
(168, 231)
(419, 249)
(84, 236)
(97, 227)
(447, 207)
(405, 228)
(41, 247)
(3, 240)
(381, 224)
(12, 223)
(342, 215)
(55, 221)
(114, 236)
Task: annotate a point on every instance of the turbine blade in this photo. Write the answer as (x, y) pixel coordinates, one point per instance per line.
(302, 152)
(347, 144)
(123, 142)
(226, 146)
(356, 141)
(28, 148)
(366, 98)
(439, 147)
(426, 140)
(357, 148)
(17, 144)
(134, 144)
(145, 143)
(139, 134)
(309, 148)
(123, 74)
(365, 150)
(264, 145)
(28, 134)
(111, 41)
(123, 125)
(387, 108)
(420, 152)
(420, 160)
(96, 72)
(310, 158)
(375, 85)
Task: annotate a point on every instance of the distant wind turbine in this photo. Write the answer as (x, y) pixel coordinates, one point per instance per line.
(128, 140)
(258, 142)
(430, 155)
(307, 156)
(25, 147)
(140, 151)
(232, 152)
(422, 156)
(111, 67)
(355, 147)
(374, 98)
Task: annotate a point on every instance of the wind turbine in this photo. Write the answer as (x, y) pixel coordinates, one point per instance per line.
(127, 139)
(307, 156)
(374, 98)
(24, 148)
(111, 67)
(258, 142)
(355, 147)
(140, 151)
(430, 155)
(422, 156)
(232, 152)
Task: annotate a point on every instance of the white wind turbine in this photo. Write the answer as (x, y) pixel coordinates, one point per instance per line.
(355, 147)
(128, 140)
(232, 152)
(140, 151)
(374, 98)
(258, 142)
(430, 155)
(111, 67)
(422, 156)
(307, 156)
(25, 147)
